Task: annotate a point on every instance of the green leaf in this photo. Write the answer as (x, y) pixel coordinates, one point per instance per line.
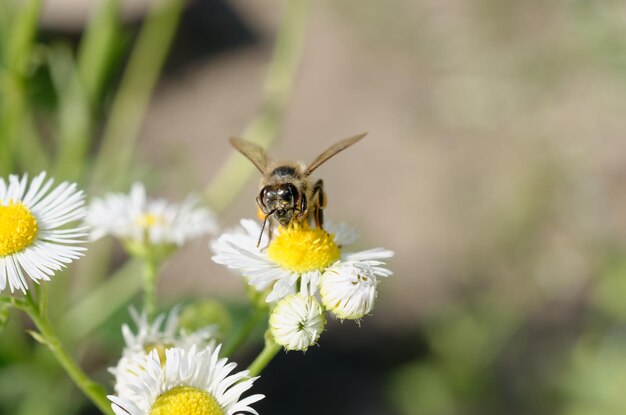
(22, 36)
(38, 337)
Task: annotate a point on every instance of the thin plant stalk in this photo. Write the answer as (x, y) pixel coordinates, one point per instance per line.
(270, 349)
(149, 285)
(278, 87)
(132, 98)
(17, 46)
(78, 100)
(129, 106)
(46, 335)
(233, 344)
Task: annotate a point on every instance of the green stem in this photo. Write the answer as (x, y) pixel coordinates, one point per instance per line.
(149, 286)
(263, 129)
(43, 300)
(133, 96)
(267, 354)
(47, 336)
(233, 344)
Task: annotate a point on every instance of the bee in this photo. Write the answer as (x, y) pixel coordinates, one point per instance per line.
(287, 193)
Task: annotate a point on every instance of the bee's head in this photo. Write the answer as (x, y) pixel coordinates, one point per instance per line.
(281, 199)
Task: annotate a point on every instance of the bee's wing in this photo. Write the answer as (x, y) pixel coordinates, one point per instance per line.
(332, 150)
(255, 153)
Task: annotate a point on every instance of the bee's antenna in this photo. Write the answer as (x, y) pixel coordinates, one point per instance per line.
(263, 228)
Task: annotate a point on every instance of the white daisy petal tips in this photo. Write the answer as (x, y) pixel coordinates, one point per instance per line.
(347, 292)
(34, 239)
(163, 333)
(134, 218)
(297, 259)
(190, 383)
(297, 322)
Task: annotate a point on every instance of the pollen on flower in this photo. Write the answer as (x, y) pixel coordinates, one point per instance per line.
(186, 400)
(148, 220)
(18, 228)
(260, 214)
(302, 249)
(347, 292)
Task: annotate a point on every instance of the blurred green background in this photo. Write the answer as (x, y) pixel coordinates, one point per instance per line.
(495, 168)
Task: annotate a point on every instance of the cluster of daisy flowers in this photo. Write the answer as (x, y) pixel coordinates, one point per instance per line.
(163, 368)
(305, 272)
(194, 381)
(166, 370)
(141, 222)
(162, 333)
(41, 231)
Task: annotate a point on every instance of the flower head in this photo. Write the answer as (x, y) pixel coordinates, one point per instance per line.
(163, 333)
(302, 249)
(136, 219)
(189, 383)
(296, 259)
(34, 239)
(348, 291)
(297, 322)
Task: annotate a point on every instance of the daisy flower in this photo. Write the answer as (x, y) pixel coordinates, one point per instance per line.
(297, 322)
(138, 220)
(296, 259)
(189, 383)
(163, 333)
(34, 239)
(348, 289)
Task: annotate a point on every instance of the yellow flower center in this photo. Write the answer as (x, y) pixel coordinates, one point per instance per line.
(302, 249)
(18, 228)
(186, 400)
(160, 348)
(148, 220)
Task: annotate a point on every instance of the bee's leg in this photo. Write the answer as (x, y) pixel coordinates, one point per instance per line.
(319, 218)
(320, 203)
(303, 207)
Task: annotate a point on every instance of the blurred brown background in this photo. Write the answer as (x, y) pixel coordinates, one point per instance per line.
(475, 110)
(494, 165)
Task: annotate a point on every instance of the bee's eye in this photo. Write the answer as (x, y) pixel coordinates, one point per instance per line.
(289, 192)
(268, 195)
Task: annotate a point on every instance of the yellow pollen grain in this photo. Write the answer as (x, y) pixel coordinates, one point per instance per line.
(148, 220)
(260, 214)
(186, 400)
(18, 228)
(301, 249)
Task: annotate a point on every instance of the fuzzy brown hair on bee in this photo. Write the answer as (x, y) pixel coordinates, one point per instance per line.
(286, 192)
